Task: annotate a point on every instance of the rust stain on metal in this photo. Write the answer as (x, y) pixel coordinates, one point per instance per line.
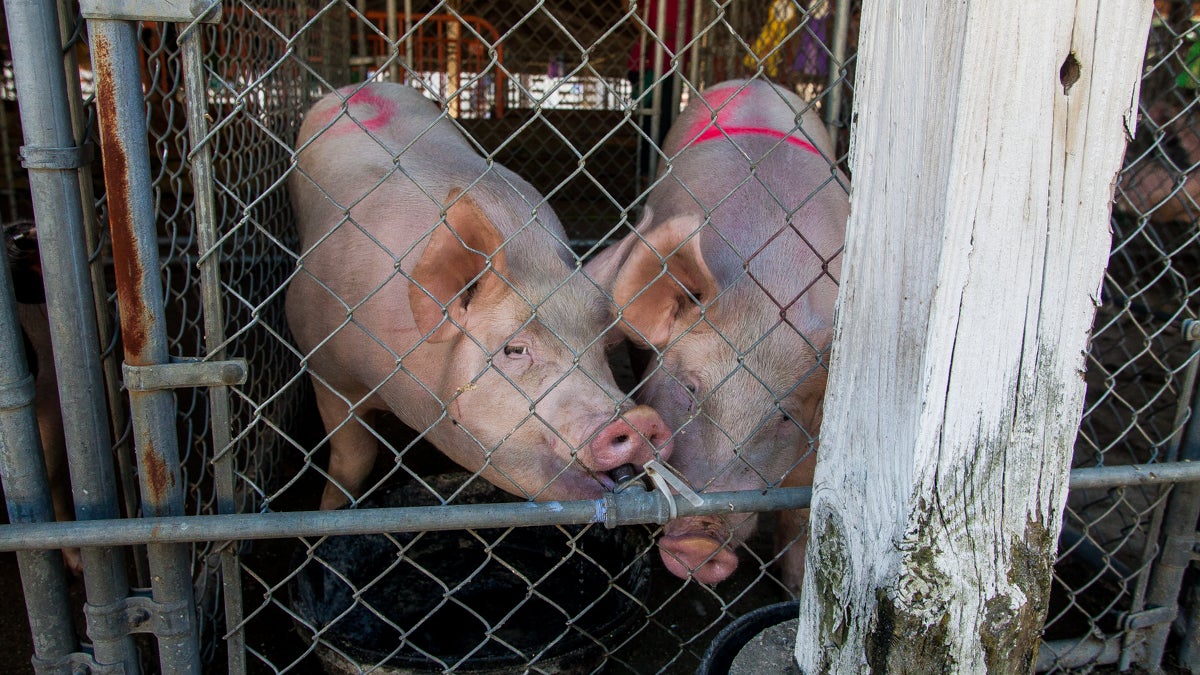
(156, 477)
(126, 264)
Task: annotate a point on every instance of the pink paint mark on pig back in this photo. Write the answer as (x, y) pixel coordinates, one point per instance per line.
(721, 132)
(705, 130)
(383, 108)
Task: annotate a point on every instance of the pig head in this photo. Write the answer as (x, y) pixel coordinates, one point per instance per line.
(730, 279)
(435, 284)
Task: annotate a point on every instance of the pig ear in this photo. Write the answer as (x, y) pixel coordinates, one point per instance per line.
(663, 282)
(446, 280)
(603, 267)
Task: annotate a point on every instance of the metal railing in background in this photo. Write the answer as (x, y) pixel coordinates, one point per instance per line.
(461, 55)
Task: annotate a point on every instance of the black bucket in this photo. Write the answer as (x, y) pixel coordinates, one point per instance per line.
(730, 642)
(490, 602)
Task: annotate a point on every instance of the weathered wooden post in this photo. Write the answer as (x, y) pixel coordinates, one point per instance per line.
(987, 139)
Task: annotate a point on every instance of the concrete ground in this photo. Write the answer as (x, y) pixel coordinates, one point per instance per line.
(768, 652)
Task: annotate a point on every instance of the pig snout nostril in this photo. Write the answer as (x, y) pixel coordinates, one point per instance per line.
(616, 445)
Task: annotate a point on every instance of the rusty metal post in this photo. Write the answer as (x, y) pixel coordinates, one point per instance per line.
(127, 177)
(52, 158)
(92, 235)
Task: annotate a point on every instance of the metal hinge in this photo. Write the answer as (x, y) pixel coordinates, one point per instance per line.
(77, 662)
(1133, 630)
(1147, 618)
(173, 11)
(114, 621)
(138, 614)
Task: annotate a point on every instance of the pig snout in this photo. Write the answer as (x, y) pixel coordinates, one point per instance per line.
(636, 437)
(697, 554)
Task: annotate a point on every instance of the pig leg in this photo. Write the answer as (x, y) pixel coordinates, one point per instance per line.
(352, 448)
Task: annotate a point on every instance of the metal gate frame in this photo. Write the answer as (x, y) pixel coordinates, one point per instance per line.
(54, 156)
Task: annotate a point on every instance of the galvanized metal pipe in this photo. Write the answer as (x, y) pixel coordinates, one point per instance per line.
(697, 49)
(392, 37)
(1183, 410)
(6, 163)
(360, 34)
(110, 360)
(1179, 537)
(682, 21)
(409, 62)
(656, 97)
(1150, 547)
(1134, 474)
(837, 68)
(1084, 652)
(623, 508)
(629, 507)
(45, 116)
(26, 489)
(1189, 647)
(640, 107)
(126, 154)
(207, 237)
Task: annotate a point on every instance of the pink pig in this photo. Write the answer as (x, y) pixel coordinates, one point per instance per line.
(731, 278)
(436, 284)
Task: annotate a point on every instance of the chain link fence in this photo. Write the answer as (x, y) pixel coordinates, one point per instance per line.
(1141, 368)
(576, 99)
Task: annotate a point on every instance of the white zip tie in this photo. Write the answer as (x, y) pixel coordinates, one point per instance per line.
(664, 479)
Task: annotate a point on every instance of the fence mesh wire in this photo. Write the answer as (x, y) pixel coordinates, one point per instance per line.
(563, 94)
(1136, 402)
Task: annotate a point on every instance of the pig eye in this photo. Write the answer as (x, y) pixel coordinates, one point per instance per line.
(516, 350)
(691, 398)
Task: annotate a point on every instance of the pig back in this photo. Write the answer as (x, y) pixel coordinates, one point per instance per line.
(383, 152)
(737, 106)
(390, 157)
(757, 162)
